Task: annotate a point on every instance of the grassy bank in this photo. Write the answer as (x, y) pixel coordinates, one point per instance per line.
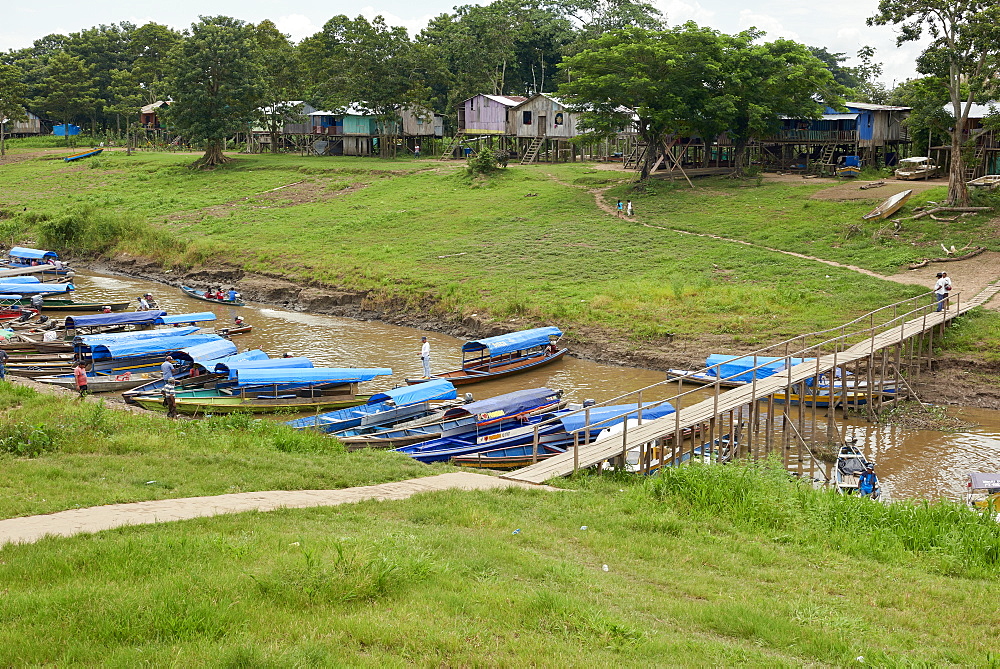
(523, 244)
(706, 565)
(58, 453)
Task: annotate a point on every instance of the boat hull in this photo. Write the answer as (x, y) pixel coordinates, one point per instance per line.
(191, 292)
(465, 376)
(217, 405)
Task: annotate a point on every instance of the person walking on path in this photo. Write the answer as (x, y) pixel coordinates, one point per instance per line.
(167, 369)
(620, 208)
(80, 376)
(3, 364)
(425, 356)
(416, 151)
(628, 208)
(941, 289)
(170, 399)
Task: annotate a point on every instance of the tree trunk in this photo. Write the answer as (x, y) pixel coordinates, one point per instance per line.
(739, 158)
(3, 141)
(213, 155)
(958, 190)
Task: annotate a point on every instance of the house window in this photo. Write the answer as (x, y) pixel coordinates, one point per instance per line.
(559, 118)
(526, 117)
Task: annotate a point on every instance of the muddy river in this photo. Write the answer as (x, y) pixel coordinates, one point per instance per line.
(911, 463)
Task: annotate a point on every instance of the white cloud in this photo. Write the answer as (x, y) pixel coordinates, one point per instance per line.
(678, 12)
(769, 24)
(297, 26)
(413, 26)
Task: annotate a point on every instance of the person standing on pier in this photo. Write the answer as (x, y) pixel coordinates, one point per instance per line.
(941, 288)
(425, 356)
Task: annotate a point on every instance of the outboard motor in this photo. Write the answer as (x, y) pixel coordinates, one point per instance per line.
(468, 399)
(589, 403)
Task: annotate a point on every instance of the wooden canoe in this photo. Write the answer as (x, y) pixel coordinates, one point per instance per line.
(889, 207)
(191, 292)
(487, 371)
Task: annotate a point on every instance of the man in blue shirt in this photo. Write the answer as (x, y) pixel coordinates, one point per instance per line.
(868, 482)
(232, 294)
(167, 368)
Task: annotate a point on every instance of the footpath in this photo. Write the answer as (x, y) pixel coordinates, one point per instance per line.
(30, 529)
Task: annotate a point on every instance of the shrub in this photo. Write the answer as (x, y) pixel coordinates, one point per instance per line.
(487, 161)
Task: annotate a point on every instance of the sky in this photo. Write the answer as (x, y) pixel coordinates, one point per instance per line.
(840, 27)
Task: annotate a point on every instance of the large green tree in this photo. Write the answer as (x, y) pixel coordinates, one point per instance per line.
(70, 90)
(12, 101)
(215, 77)
(282, 81)
(963, 53)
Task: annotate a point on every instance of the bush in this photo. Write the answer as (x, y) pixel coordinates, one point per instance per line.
(487, 161)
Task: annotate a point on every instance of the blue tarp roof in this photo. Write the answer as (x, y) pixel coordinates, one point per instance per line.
(94, 339)
(121, 318)
(255, 354)
(31, 254)
(515, 341)
(737, 367)
(231, 368)
(270, 377)
(20, 279)
(187, 318)
(8, 296)
(141, 347)
(578, 420)
(210, 350)
(37, 288)
(436, 389)
(508, 403)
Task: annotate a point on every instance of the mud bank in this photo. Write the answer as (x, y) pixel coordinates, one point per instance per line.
(956, 380)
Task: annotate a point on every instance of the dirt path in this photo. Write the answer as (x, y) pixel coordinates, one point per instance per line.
(969, 276)
(94, 519)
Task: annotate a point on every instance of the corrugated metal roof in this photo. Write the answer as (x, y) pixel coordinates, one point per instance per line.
(150, 108)
(867, 106)
(978, 110)
(509, 100)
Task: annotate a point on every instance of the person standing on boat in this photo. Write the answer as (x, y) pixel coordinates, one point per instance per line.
(868, 482)
(941, 288)
(425, 356)
(167, 369)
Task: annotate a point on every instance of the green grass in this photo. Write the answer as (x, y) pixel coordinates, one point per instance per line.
(708, 565)
(57, 454)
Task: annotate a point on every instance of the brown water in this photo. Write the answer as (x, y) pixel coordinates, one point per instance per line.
(911, 463)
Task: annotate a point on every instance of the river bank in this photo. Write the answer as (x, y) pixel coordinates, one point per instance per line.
(958, 378)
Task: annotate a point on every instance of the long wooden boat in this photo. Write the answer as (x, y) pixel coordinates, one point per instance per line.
(207, 402)
(986, 182)
(495, 357)
(191, 292)
(70, 305)
(233, 331)
(512, 457)
(983, 492)
(911, 169)
(83, 154)
(102, 383)
(889, 207)
(851, 464)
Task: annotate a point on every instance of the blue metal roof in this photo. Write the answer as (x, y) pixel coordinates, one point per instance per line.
(94, 339)
(187, 318)
(31, 254)
(121, 318)
(37, 288)
(8, 296)
(614, 414)
(210, 350)
(515, 341)
(436, 389)
(142, 347)
(508, 403)
(24, 278)
(231, 368)
(739, 367)
(246, 356)
(269, 377)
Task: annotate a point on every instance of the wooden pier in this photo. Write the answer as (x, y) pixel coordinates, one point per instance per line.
(888, 347)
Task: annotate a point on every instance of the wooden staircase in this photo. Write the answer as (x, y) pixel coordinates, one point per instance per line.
(972, 167)
(531, 155)
(449, 149)
(826, 159)
(634, 159)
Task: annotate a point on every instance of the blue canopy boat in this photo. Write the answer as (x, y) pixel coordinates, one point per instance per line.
(21, 257)
(493, 357)
(196, 372)
(465, 419)
(557, 429)
(388, 408)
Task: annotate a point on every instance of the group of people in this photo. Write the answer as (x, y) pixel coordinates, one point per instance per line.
(146, 302)
(942, 288)
(229, 296)
(625, 209)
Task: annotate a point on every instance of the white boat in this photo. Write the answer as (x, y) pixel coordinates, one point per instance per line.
(890, 206)
(851, 464)
(986, 182)
(919, 167)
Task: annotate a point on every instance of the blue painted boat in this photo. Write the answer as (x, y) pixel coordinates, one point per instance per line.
(198, 373)
(83, 154)
(484, 414)
(388, 408)
(556, 429)
(494, 357)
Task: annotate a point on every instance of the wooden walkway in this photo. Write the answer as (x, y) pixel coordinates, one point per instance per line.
(604, 449)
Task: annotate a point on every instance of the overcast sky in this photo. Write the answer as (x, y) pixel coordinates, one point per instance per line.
(840, 27)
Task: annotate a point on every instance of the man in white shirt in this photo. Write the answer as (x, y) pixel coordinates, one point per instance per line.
(941, 288)
(425, 355)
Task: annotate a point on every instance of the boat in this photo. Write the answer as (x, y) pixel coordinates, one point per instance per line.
(388, 408)
(918, 167)
(509, 408)
(102, 383)
(197, 373)
(984, 491)
(273, 391)
(985, 182)
(511, 457)
(495, 357)
(561, 428)
(83, 154)
(848, 166)
(47, 262)
(191, 292)
(889, 207)
(851, 463)
(233, 331)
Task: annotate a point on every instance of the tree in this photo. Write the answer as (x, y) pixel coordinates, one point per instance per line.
(12, 102)
(215, 77)
(963, 53)
(70, 88)
(761, 83)
(281, 80)
(150, 47)
(126, 98)
(928, 120)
